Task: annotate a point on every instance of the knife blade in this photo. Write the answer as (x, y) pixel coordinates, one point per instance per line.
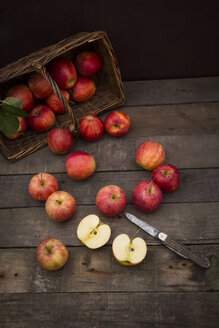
(171, 243)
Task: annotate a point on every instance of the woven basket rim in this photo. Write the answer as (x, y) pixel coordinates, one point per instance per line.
(38, 58)
(108, 98)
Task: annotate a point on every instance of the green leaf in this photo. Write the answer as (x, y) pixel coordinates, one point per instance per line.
(8, 123)
(13, 105)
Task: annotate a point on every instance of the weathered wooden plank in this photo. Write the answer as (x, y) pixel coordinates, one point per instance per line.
(74, 310)
(97, 271)
(196, 186)
(188, 151)
(171, 91)
(165, 124)
(192, 223)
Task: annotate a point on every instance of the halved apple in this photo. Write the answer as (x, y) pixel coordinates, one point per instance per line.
(92, 232)
(128, 251)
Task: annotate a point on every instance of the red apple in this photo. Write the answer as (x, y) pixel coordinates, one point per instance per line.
(147, 196)
(63, 72)
(42, 185)
(110, 200)
(88, 63)
(41, 118)
(83, 89)
(60, 206)
(21, 129)
(22, 92)
(117, 123)
(60, 140)
(149, 154)
(39, 86)
(80, 165)
(52, 254)
(91, 127)
(166, 176)
(55, 104)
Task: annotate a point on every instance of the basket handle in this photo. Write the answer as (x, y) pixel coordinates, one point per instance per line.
(74, 127)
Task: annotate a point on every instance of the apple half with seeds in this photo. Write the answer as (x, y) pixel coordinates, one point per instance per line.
(92, 232)
(128, 251)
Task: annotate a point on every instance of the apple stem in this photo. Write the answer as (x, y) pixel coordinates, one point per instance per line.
(132, 237)
(48, 249)
(42, 182)
(150, 186)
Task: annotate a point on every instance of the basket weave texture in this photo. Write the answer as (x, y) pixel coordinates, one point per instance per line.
(109, 88)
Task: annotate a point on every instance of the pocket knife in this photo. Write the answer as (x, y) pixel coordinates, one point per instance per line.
(171, 243)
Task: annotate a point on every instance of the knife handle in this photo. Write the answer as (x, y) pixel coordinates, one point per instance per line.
(184, 251)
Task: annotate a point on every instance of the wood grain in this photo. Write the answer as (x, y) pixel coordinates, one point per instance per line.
(128, 310)
(192, 223)
(93, 289)
(172, 91)
(97, 271)
(196, 186)
(188, 133)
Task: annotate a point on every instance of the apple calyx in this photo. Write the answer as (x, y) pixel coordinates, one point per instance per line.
(115, 196)
(36, 112)
(48, 249)
(165, 173)
(59, 201)
(69, 83)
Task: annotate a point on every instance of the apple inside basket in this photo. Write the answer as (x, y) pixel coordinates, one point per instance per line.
(109, 89)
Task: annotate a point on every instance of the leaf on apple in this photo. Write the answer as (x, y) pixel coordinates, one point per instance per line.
(13, 105)
(8, 123)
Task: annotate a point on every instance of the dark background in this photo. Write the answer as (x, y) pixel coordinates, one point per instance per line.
(152, 39)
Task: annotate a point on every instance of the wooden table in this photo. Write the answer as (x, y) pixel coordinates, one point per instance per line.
(92, 289)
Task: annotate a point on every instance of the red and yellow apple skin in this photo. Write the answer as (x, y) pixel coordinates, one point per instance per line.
(41, 118)
(63, 72)
(39, 86)
(21, 129)
(51, 254)
(42, 185)
(91, 127)
(149, 154)
(117, 123)
(110, 200)
(60, 206)
(25, 95)
(166, 176)
(147, 196)
(80, 165)
(88, 63)
(83, 89)
(55, 104)
(60, 140)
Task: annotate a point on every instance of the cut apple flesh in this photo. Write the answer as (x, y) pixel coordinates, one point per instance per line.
(92, 232)
(127, 251)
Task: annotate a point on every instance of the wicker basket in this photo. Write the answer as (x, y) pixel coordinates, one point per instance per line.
(109, 89)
